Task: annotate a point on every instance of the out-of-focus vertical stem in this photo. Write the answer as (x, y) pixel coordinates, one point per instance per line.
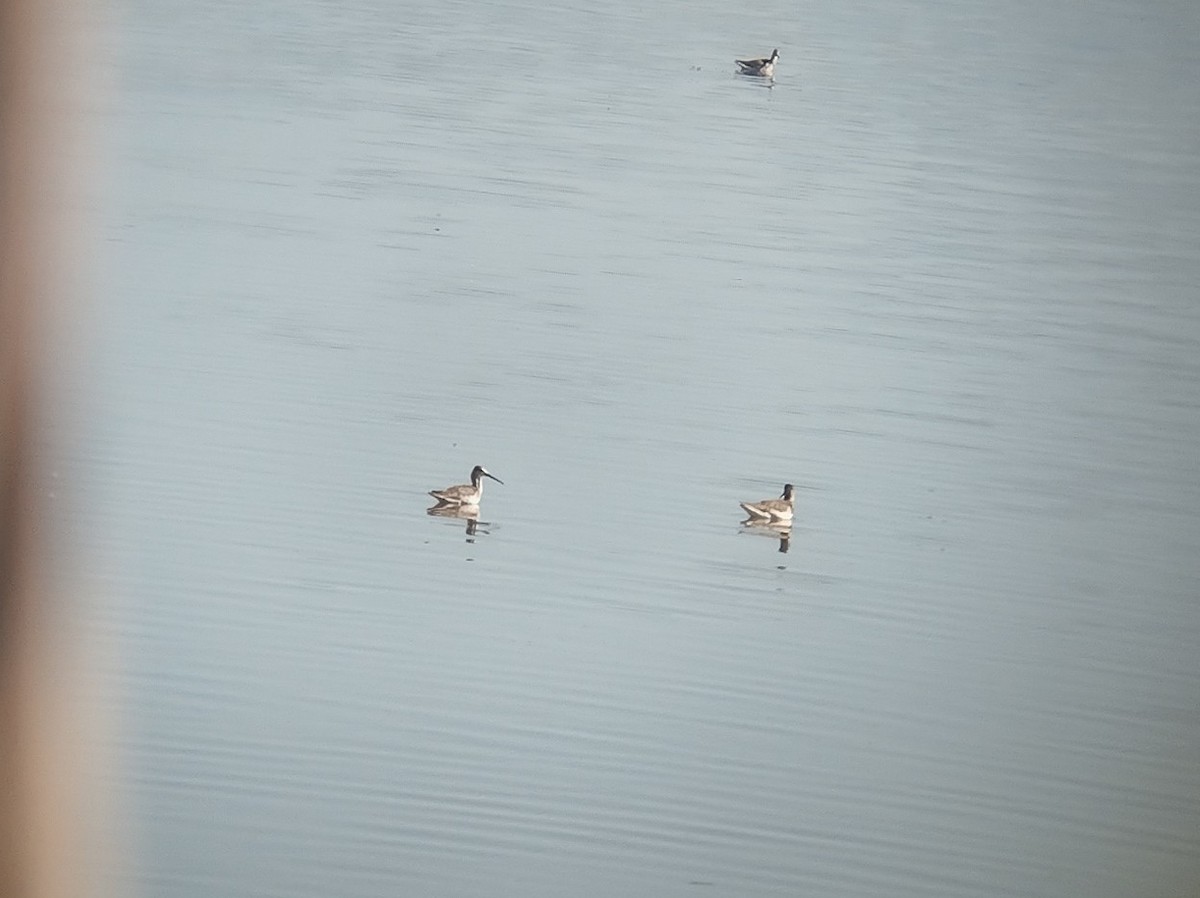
(41, 844)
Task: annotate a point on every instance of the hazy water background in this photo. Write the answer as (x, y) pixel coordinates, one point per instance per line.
(942, 276)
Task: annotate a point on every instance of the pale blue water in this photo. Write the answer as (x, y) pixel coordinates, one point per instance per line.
(942, 276)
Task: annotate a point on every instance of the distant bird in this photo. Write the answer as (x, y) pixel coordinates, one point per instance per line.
(771, 509)
(764, 68)
(464, 494)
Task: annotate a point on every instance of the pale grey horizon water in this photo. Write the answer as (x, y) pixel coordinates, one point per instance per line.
(941, 275)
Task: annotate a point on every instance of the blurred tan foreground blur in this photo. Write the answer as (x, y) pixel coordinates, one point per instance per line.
(47, 844)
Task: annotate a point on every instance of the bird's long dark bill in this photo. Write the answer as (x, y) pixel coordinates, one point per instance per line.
(497, 479)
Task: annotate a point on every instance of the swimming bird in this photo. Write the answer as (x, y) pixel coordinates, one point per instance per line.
(771, 509)
(465, 494)
(764, 68)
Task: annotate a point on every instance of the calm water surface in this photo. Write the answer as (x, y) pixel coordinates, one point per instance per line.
(942, 276)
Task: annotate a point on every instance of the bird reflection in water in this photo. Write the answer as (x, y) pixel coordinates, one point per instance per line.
(780, 530)
(468, 513)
